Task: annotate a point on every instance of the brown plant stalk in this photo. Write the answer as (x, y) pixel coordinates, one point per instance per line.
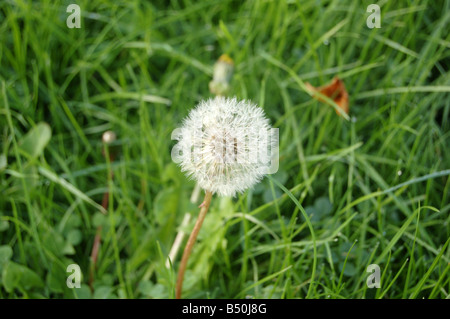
(108, 137)
(191, 241)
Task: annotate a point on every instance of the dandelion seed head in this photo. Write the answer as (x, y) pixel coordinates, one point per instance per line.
(225, 145)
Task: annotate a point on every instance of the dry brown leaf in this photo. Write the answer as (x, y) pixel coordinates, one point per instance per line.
(335, 91)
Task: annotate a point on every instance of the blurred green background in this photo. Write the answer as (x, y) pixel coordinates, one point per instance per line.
(375, 188)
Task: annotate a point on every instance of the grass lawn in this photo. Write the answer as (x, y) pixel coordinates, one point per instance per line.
(370, 188)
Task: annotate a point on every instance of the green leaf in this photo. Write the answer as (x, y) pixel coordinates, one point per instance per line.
(323, 206)
(350, 269)
(74, 236)
(155, 291)
(3, 162)
(54, 242)
(81, 293)
(6, 253)
(68, 249)
(56, 281)
(103, 292)
(74, 221)
(100, 220)
(4, 225)
(18, 276)
(166, 205)
(36, 139)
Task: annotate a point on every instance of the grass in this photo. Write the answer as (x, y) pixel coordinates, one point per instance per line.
(373, 189)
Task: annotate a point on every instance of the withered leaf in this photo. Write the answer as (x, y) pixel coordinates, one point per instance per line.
(335, 91)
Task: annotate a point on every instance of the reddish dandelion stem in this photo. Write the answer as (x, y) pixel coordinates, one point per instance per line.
(191, 242)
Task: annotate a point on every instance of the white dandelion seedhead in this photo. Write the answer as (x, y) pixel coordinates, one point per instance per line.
(226, 145)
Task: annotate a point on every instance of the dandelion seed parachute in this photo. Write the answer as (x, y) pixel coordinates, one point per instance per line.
(225, 145)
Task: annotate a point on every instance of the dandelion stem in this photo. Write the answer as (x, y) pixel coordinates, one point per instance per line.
(191, 242)
(107, 138)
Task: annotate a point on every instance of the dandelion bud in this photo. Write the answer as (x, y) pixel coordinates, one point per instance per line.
(109, 138)
(223, 71)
